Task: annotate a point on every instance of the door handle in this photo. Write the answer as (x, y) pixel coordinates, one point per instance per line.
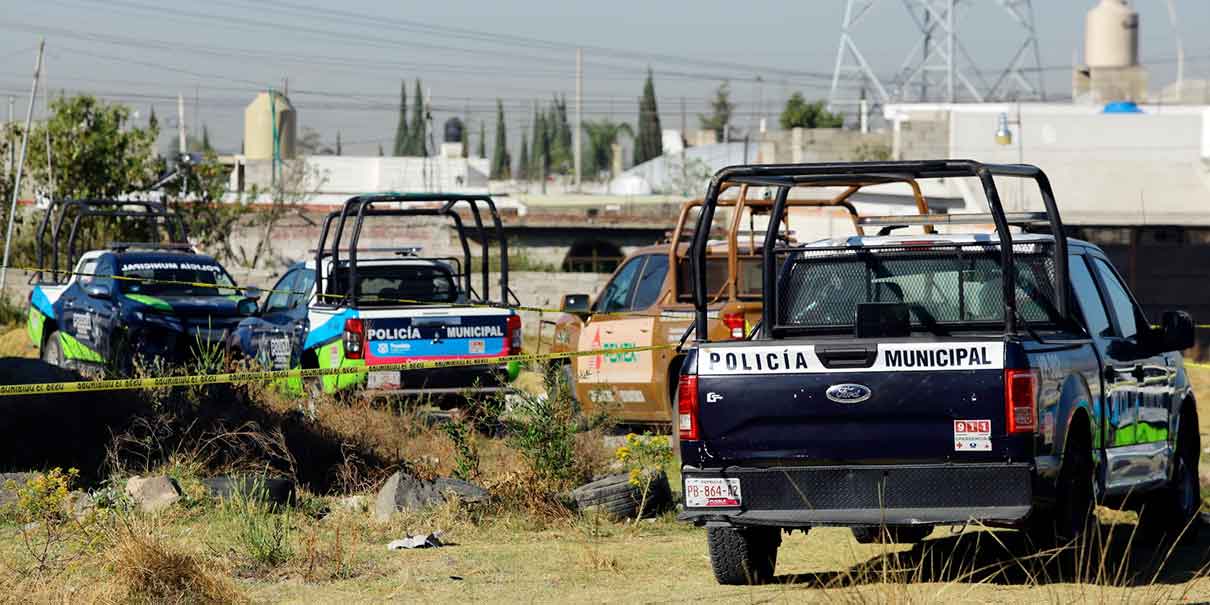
(1111, 374)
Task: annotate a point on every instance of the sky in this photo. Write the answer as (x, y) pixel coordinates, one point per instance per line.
(344, 61)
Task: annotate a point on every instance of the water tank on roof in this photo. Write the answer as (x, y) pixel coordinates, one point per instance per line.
(453, 131)
(259, 117)
(1111, 35)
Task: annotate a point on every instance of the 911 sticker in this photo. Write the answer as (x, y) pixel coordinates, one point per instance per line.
(972, 435)
(712, 492)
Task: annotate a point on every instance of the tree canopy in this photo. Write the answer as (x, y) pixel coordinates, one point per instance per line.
(721, 109)
(95, 151)
(801, 114)
(501, 162)
(649, 144)
(602, 134)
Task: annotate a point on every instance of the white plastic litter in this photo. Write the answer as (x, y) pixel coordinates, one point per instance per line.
(432, 540)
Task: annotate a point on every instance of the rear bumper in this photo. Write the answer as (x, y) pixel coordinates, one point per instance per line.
(447, 382)
(993, 493)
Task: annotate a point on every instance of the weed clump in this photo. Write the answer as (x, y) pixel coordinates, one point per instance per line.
(146, 569)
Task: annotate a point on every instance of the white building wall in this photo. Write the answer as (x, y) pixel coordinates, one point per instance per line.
(1127, 169)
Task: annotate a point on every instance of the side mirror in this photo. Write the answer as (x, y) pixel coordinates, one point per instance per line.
(247, 307)
(1177, 331)
(253, 292)
(100, 291)
(576, 304)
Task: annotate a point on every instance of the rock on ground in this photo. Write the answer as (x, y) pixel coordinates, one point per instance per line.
(8, 496)
(153, 494)
(403, 492)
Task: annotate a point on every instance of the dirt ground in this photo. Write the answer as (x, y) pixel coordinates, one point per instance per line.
(663, 561)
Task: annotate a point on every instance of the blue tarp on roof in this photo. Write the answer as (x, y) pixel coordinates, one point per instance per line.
(1121, 107)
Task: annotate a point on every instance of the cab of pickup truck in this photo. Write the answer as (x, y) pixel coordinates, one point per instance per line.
(902, 381)
(648, 302)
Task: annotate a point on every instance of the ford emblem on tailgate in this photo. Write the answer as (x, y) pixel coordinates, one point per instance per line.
(848, 393)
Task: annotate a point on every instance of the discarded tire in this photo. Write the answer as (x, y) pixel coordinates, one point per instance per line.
(251, 488)
(616, 497)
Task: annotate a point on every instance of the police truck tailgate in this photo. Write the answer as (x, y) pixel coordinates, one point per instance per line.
(853, 401)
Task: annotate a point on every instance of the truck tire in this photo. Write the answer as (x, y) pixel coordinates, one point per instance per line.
(741, 556)
(52, 350)
(891, 535)
(1075, 497)
(1172, 512)
(617, 498)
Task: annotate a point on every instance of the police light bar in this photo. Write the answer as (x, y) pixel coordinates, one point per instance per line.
(1014, 218)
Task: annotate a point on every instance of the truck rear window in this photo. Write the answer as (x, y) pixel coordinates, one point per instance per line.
(747, 280)
(392, 285)
(950, 286)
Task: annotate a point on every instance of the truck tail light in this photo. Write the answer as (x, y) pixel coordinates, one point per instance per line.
(513, 334)
(735, 324)
(686, 407)
(354, 338)
(1020, 400)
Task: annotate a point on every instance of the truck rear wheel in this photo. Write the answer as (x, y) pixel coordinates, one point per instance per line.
(1075, 497)
(743, 555)
(1172, 512)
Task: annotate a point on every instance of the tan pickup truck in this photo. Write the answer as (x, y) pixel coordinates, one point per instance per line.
(647, 302)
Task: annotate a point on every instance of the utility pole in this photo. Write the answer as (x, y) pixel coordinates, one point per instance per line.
(12, 211)
(197, 111)
(684, 143)
(12, 149)
(180, 124)
(575, 140)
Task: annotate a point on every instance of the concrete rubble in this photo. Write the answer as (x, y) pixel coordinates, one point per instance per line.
(403, 492)
(153, 494)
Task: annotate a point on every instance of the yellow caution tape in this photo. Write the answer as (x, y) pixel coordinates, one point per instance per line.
(122, 384)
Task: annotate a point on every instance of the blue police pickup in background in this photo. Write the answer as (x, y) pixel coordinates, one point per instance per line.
(898, 382)
(105, 317)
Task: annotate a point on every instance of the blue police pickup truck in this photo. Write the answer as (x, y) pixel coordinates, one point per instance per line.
(363, 307)
(118, 305)
(899, 381)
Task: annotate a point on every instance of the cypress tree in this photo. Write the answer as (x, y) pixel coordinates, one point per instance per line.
(205, 138)
(649, 143)
(482, 139)
(535, 139)
(501, 163)
(466, 138)
(338, 149)
(418, 147)
(401, 131)
(153, 123)
(380, 150)
(523, 160)
(539, 161)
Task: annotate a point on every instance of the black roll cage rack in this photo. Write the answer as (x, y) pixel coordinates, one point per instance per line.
(155, 213)
(784, 177)
(359, 207)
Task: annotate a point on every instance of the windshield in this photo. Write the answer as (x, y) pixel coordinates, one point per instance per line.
(176, 278)
(399, 284)
(941, 288)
